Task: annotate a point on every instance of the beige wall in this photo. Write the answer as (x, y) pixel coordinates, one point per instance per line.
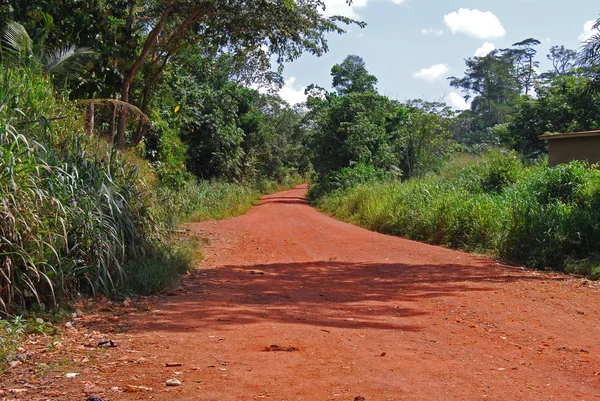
(564, 150)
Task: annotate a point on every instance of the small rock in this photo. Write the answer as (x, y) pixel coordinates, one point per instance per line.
(106, 344)
(71, 375)
(136, 389)
(173, 383)
(172, 364)
(14, 364)
(127, 302)
(359, 398)
(94, 399)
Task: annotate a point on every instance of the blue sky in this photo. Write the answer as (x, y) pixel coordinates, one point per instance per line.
(412, 46)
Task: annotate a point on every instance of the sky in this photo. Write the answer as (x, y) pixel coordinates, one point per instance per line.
(413, 46)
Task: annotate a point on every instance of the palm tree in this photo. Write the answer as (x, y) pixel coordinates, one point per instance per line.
(18, 49)
(589, 58)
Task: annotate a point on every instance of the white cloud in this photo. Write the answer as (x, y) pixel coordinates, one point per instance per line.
(485, 49)
(475, 23)
(340, 7)
(588, 31)
(432, 73)
(433, 31)
(290, 94)
(457, 102)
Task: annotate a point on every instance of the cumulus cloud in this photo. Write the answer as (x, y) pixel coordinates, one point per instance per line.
(475, 23)
(433, 31)
(588, 31)
(399, 2)
(290, 94)
(433, 73)
(485, 49)
(457, 102)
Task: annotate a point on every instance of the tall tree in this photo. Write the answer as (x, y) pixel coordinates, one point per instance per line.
(523, 54)
(262, 28)
(146, 34)
(589, 58)
(563, 60)
(493, 84)
(351, 76)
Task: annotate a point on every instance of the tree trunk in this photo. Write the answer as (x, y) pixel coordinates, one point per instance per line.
(113, 120)
(90, 119)
(131, 74)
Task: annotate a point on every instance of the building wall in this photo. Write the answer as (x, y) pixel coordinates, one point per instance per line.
(564, 150)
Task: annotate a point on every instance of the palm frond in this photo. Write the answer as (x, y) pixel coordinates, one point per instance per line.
(16, 42)
(63, 62)
(589, 54)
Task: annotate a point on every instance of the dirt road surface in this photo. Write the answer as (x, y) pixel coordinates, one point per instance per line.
(293, 305)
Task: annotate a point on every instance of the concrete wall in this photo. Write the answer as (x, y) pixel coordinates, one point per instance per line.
(577, 146)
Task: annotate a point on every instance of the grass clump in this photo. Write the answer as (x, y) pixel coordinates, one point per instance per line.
(75, 212)
(160, 271)
(531, 214)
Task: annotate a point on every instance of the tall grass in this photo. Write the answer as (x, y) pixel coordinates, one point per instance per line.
(74, 212)
(539, 216)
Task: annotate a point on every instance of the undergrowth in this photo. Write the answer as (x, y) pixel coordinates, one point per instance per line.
(547, 218)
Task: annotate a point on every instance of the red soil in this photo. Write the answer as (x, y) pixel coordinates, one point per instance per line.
(293, 305)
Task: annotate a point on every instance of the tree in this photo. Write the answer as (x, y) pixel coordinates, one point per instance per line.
(563, 60)
(285, 29)
(590, 51)
(351, 76)
(423, 141)
(18, 48)
(589, 58)
(493, 84)
(565, 105)
(523, 56)
(140, 37)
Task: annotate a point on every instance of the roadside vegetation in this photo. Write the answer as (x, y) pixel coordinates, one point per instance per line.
(478, 179)
(525, 213)
(120, 120)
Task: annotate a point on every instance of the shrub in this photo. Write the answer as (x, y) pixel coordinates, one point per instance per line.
(539, 216)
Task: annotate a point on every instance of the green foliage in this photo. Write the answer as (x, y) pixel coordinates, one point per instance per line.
(161, 270)
(352, 77)
(351, 129)
(205, 200)
(75, 212)
(493, 84)
(346, 178)
(564, 105)
(539, 216)
(11, 333)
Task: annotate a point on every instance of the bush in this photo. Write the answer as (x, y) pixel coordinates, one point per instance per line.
(75, 212)
(539, 216)
(345, 178)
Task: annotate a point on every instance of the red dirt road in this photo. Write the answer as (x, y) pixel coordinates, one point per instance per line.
(368, 315)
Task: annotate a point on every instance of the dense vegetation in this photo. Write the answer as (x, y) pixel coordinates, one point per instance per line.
(400, 168)
(120, 119)
(530, 214)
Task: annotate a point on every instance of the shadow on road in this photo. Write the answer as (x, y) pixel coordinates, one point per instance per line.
(286, 200)
(325, 294)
